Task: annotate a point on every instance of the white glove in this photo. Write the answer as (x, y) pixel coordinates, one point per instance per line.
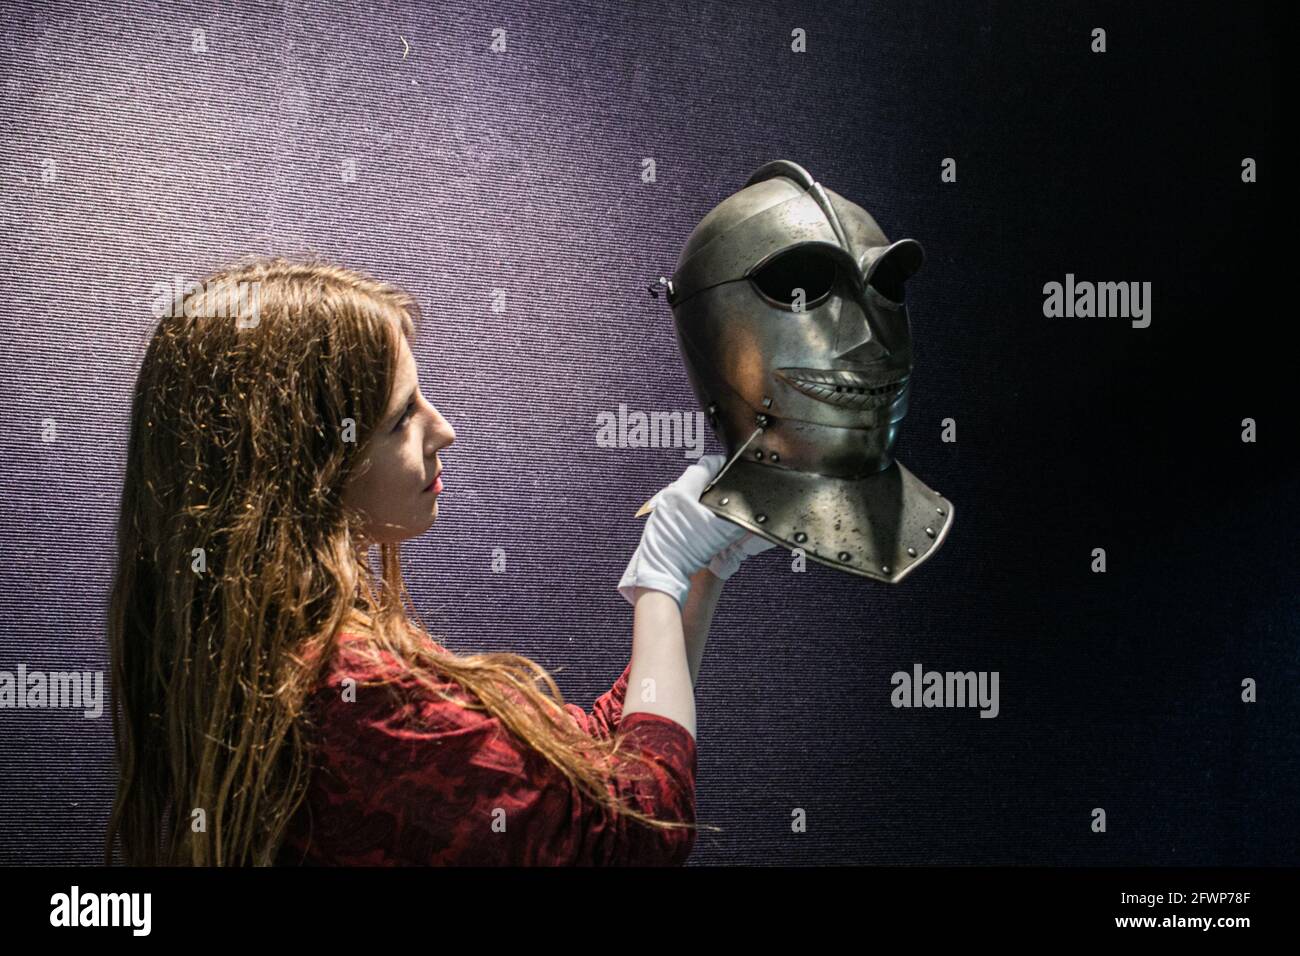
(727, 562)
(681, 536)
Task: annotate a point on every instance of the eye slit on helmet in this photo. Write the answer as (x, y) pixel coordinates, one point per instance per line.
(804, 267)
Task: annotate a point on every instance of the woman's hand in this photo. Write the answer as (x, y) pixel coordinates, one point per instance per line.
(681, 536)
(728, 562)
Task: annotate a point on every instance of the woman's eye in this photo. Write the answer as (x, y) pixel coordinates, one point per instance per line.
(405, 415)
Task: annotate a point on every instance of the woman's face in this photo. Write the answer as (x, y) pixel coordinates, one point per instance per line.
(393, 485)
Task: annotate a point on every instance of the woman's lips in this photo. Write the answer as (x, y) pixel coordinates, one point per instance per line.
(436, 487)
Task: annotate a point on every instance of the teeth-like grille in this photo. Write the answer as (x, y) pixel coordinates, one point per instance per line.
(840, 387)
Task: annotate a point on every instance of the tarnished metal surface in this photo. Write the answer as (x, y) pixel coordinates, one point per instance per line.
(790, 314)
(881, 526)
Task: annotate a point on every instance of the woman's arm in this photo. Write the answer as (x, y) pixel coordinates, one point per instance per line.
(667, 648)
(659, 678)
(697, 616)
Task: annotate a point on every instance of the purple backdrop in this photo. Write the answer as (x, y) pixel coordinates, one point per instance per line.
(129, 156)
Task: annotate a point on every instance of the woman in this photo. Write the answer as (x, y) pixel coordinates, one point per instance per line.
(277, 700)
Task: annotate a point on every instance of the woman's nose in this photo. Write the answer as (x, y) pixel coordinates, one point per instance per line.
(444, 429)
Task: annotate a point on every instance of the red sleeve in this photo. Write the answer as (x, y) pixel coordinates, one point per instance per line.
(432, 783)
(608, 710)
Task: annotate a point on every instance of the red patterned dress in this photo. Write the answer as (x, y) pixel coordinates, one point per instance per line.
(432, 783)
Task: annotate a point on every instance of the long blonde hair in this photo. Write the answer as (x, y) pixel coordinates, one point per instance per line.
(238, 567)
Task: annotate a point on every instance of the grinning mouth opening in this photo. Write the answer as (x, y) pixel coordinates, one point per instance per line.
(843, 387)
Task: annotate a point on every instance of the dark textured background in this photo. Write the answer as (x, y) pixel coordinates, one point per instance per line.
(521, 171)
